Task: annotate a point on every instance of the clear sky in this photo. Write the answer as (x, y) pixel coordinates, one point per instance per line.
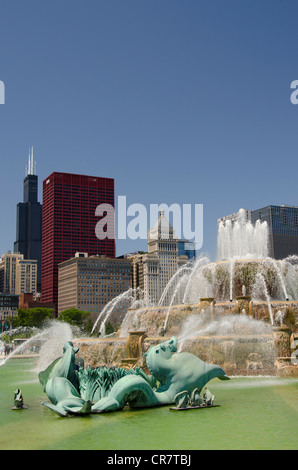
(178, 101)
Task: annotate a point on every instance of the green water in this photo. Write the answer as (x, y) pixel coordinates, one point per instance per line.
(255, 413)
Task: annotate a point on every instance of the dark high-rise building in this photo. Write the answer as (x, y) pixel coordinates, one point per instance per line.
(283, 229)
(29, 220)
(69, 221)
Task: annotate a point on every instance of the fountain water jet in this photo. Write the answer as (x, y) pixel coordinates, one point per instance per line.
(183, 269)
(243, 239)
(260, 288)
(232, 265)
(52, 336)
(196, 268)
(177, 288)
(128, 299)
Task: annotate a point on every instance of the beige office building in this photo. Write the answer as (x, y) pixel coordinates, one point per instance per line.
(88, 283)
(26, 277)
(17, 275)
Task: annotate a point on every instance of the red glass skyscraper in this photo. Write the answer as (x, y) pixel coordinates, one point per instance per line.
(69, 221)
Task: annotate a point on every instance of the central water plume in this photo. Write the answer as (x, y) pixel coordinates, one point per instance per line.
(242, 239)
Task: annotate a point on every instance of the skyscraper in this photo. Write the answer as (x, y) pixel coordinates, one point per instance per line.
(90, 282)
(17, 275)
(69, 221)
(29, 219)
(283, 229)
(153, 270)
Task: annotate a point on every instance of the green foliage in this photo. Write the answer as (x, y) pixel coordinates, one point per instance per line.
(33, 317)
(75, 317)
(88, 325)
(5, 338)
(109, 328)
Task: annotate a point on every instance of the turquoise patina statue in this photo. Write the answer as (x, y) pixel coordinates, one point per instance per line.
(75, 390)
(18, 400)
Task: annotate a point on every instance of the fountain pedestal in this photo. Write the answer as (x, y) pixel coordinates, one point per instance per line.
(285, 363)
(207, 304)
(282, 345)
(134, 347)
(244, 302)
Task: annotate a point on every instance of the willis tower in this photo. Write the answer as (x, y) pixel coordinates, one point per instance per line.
(29, 220)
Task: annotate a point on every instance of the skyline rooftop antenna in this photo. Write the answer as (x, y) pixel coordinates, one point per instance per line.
(31, 168)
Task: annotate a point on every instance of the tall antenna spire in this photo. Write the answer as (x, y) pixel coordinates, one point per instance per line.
(31, 169)
(29, 164)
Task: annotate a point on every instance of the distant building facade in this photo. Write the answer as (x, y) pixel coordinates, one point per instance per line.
(8, 268)
(69, 222)
(26, 301)
(137, 273)
(29, 220)
(17, 275)
(234, 217)
(88, 283)
(26, 277)
(283, 229)
(8, 308)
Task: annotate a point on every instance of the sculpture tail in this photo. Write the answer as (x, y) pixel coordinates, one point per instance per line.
(216, 371)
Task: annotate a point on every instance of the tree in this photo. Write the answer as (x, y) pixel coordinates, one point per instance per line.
(74, 317)
(33, 317)
(109, 328)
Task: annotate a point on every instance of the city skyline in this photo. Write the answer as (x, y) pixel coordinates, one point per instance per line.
(133, 243)
(178, 104)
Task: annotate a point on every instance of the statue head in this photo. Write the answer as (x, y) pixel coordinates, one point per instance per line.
(69, 346)
(157, 358)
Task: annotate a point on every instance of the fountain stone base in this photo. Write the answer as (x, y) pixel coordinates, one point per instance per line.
(134, 347)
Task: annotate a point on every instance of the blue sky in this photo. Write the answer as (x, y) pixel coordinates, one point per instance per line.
(179, 102)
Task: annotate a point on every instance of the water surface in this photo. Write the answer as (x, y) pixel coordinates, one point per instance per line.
(255, 413)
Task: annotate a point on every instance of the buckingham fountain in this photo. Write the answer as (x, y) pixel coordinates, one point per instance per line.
(233, 317)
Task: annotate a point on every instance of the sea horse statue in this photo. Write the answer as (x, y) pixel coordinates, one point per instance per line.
(174, 372)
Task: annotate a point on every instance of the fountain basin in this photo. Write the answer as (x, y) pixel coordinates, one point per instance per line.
(241, 344)
(238, 354)
(252, 405)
